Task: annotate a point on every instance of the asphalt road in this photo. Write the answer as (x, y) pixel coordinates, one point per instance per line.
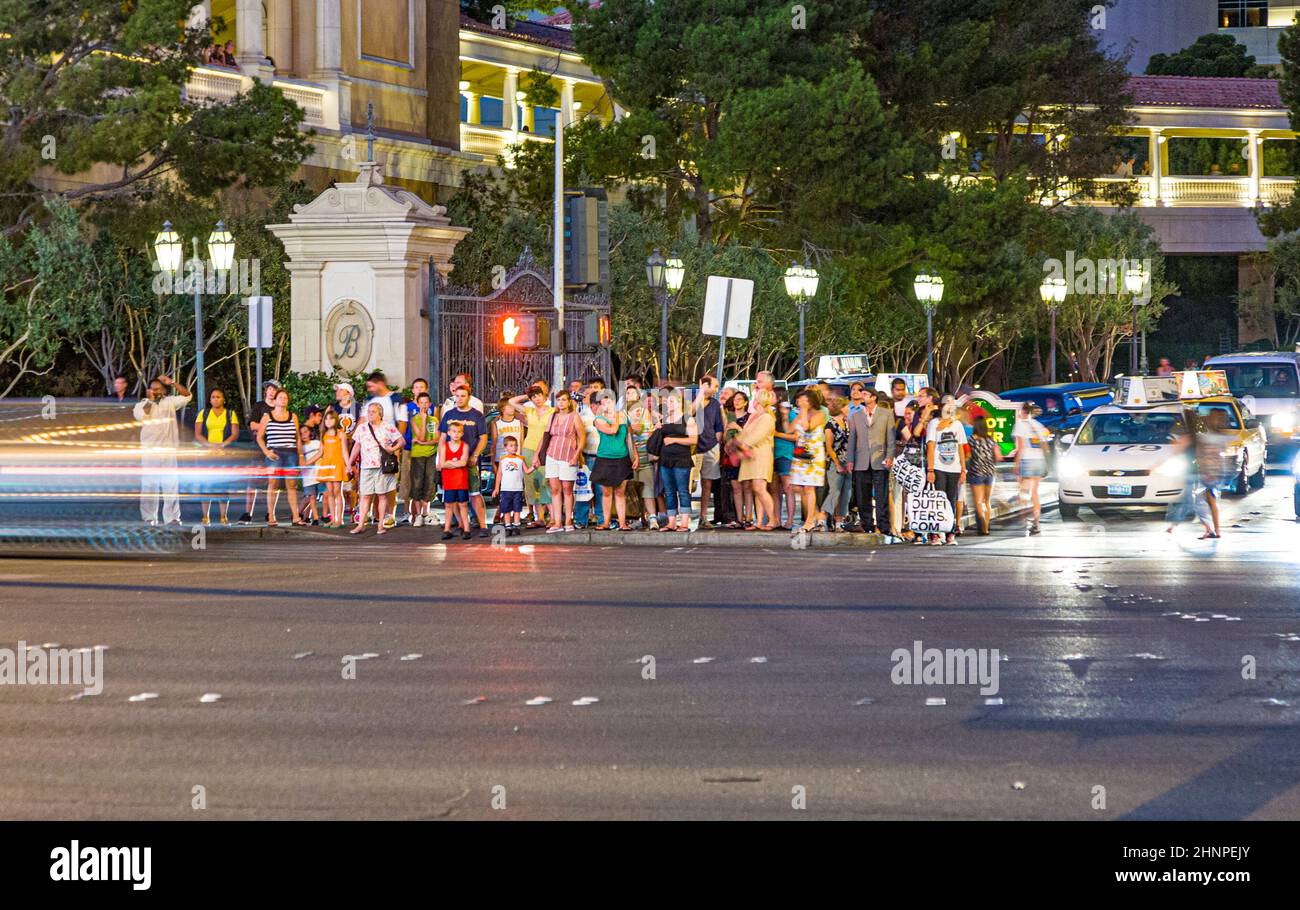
(1121, 667)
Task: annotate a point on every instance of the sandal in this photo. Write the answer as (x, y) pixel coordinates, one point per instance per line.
(667, 527)
(358, 529)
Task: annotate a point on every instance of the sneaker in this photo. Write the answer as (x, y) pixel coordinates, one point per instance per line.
(467, 536)
(951, 541)
(1035, 530)
(936, 541)
(447, 535)
(390, 522)
(246, 519)
(482, 532)
(417, 521)
(554, 530)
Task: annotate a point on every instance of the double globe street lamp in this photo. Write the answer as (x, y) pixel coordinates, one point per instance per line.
(801, 284)
(1134, 281)
(929, 291)
(664, 276)
(1053, 291)
(221, 248)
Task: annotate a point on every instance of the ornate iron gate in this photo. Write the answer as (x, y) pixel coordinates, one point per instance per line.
(468, 334)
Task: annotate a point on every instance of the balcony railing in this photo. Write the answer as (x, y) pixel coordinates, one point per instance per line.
(219, 84)
(490, 141)
(1184, 191)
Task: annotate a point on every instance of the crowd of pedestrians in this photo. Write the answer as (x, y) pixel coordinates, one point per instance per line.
(588, 456)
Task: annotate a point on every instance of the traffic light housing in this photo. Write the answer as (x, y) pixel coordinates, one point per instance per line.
(586, 239)
(519, 330)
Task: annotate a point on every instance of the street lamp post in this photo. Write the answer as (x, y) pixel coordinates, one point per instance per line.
(664, 277)
(221, 247)
(655, 266)
(929, 291)
(801, 284)
(1052, 290)
(1133, 282)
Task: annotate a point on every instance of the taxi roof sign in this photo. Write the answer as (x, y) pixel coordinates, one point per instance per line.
(1202, 383)
(1140, 391)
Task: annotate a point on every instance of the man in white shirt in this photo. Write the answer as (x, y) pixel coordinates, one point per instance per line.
(462, 379)
(159, 439)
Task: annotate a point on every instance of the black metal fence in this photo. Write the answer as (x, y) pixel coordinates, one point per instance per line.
(468, 336)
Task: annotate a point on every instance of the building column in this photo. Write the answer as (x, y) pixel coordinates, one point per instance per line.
(509, 106)
(1256, 289)
(1256, 164)
(328, 68)
(473, 110)
(250, 54)
(280, 34)
(529, 116)
(1154, 150)
(566, 103)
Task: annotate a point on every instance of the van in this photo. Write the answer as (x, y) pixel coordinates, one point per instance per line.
(1268, 382)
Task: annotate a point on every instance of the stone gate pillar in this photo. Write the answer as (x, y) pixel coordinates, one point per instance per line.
(359, 268)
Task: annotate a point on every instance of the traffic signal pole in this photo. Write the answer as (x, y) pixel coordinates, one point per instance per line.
(559, 344)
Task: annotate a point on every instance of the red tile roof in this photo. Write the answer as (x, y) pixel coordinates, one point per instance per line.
(1206, 91)
(524, 30)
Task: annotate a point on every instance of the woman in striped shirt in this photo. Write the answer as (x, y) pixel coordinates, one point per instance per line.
(562, 449)
(278, 439)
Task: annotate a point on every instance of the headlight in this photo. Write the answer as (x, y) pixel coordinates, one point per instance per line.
(1069, 466)
(1284, 422)
(1174, 467)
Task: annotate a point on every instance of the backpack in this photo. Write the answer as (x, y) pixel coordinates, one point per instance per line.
(654, 446)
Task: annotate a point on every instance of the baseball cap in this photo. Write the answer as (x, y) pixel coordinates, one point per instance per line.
(312, 409)
(272, 383)
(341, 386)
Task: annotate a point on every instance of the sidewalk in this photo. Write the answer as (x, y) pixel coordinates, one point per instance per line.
(1004, 507)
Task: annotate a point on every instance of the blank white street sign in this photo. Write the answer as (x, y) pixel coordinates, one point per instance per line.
(256, 339)
(715, 301)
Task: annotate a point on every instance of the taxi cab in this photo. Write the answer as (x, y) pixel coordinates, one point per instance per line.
(1137, 452)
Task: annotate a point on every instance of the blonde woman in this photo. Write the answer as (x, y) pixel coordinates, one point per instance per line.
(756, 443)
(808, 471)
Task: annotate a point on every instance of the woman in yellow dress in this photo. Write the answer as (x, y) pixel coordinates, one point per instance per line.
(755, 443)
(808, 470)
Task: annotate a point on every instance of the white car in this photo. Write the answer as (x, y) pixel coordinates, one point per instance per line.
(1124, 456)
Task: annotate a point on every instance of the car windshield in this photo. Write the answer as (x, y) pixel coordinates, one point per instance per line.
(1263, 380)
(1130, 429)
(1229, 412)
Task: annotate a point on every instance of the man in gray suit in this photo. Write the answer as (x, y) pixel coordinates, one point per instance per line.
(871, 453)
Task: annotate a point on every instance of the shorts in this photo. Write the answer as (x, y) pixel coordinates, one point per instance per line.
(510, 501)
(561, 470)
(285, 467)
(374, 482)
(1035, 467)
(645, 475)
(453, 496)
(979, 480)
(421, 485)
(475, 485)
(610, 472)
(782, 466)
(710, 466)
